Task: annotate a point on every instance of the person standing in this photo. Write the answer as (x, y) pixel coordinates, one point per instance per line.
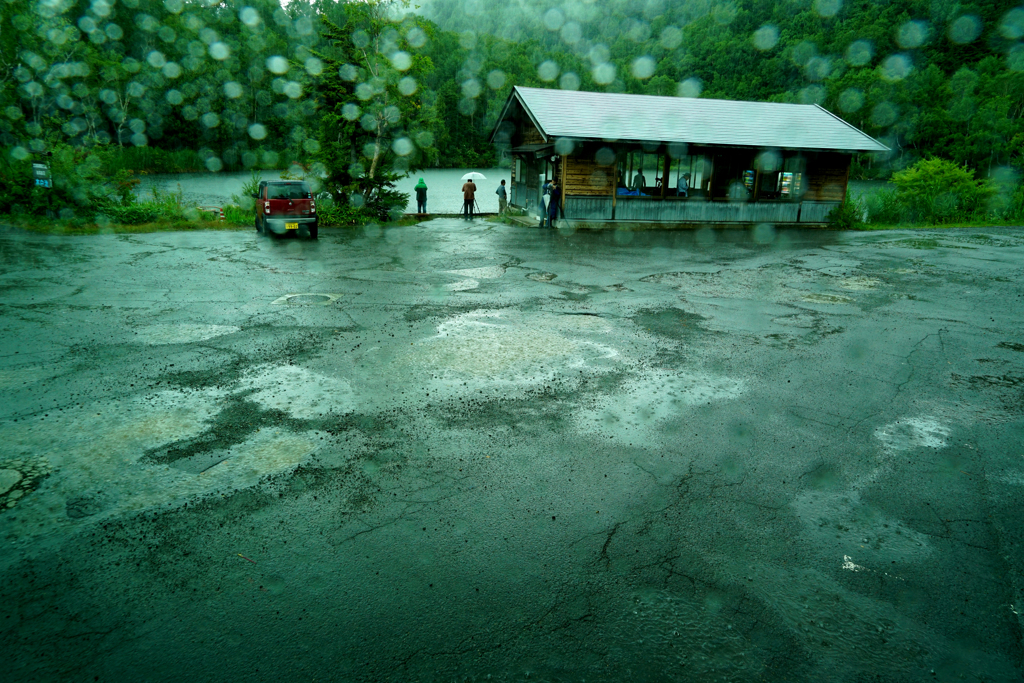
(502, 198)
(545, 198)
(553, 202)
(421, 197)
(639, 182)
(683, 186)
(468, 198)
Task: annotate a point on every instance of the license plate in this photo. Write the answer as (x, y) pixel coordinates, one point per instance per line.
(291, 226)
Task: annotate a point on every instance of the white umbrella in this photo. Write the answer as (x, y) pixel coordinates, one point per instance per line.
(473, 175)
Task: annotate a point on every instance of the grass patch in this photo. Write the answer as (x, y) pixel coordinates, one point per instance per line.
(49, 226)
(932, 226)
(235, 219)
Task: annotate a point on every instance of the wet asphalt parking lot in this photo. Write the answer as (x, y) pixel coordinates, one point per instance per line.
(467, 451)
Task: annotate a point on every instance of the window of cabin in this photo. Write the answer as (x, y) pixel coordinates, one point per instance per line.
(680, 166)
(639, 172)
(792, 182)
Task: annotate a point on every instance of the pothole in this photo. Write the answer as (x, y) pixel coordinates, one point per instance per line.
(307, 299)
(20, 477)
(486, 272)
(8, 480)
(857, 284)
(542, 277)
(826, 299)
(462, 285)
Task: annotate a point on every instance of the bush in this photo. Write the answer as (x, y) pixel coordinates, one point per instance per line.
(1016, 208)
(78, 184)
(125, 183)
(939, 191)
(146, 209)
(846, 216)
(20, 196)
(886, 208)
(133, 214)
(332, 215)
(380, 200)
(239, 215)
(1007, 201)
(246, 201)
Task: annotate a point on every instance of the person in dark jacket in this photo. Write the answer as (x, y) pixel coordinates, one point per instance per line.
(421, 197)
(556, 196)
(468, 198)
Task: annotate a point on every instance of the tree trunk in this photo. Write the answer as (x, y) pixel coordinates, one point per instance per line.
(376, 149)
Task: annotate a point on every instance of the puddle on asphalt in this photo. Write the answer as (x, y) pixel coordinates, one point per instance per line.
(703, 634)
(181, 333)
(484, 273)
(818, 298)
(301, 393)
(800, 320)
(840, 523)
(913, 432)
(462, 285)
(510, 346)
(652, 400)
(857, 284)
(88, 462)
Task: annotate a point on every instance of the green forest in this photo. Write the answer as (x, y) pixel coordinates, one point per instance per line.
(355, 93)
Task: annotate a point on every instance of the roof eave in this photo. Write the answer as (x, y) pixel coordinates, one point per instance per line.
(845, 150)
(501, 117)
(533, 119)
(522, 103)
(882, 147)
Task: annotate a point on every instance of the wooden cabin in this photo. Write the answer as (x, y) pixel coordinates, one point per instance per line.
(619, 158)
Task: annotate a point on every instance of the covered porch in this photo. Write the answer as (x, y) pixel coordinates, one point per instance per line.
(719, 184)
(702, 162)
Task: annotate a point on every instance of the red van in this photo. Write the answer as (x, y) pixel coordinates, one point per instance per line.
(285, 207)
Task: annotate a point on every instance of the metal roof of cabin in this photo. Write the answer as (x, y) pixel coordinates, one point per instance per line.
(651, 118)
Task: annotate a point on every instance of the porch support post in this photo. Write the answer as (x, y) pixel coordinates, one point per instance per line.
(561, 184)
(711, 176)
(664, 175)
(615, 184)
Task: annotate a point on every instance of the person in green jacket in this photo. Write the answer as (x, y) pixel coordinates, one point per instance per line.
(421, 196)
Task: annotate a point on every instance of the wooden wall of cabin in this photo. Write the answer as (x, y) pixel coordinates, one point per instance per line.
(517, 129)
(584, 177)
(529, 134)
(827, 176)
